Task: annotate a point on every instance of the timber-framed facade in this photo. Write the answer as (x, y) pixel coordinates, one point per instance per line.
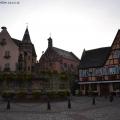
(99, 70)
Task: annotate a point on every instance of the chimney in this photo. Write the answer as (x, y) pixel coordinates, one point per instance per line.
(3, 28)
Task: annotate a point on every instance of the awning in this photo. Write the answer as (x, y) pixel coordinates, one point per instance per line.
(95, 82)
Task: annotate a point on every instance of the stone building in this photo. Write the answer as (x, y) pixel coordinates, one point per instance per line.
(16, 55)
(59, 60)
(99, 70)
(61, 64)
(57, 69)
(17, 61)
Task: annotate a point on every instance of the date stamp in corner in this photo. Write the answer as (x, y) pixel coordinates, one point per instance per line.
(9, 2)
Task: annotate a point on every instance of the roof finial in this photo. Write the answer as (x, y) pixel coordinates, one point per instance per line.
(50, 34)
(27, 25)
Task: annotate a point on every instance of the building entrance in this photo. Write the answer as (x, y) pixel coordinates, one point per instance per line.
(104, 89)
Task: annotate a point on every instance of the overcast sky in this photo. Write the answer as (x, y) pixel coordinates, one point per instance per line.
(73, 24)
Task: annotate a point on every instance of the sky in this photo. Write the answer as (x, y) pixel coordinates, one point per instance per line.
(74, 25)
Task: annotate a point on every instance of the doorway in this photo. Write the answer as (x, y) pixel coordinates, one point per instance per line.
(104, 89)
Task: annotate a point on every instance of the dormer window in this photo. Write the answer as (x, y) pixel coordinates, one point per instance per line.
(3, 42)
(7, 54)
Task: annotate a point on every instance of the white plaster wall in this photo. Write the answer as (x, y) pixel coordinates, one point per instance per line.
(10, 46)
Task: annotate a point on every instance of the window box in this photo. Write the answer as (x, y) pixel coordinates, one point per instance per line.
(6, 69)
(7, 56)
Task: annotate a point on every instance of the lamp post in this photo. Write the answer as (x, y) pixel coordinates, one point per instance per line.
(90, 85)
(69, 103)
(48, 104)
(8, 104)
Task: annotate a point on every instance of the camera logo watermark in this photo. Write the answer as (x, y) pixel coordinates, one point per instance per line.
(9, 2)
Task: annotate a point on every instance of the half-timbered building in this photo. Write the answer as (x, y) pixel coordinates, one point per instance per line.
(99, 70)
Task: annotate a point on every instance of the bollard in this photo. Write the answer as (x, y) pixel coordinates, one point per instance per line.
(48, 105)
(93, 101)
(69, 103)
(8, 105)
(111, 98)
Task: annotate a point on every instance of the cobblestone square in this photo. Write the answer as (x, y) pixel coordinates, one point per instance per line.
(81, 109)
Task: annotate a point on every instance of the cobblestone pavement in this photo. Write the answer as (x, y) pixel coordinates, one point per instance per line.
(81, 109)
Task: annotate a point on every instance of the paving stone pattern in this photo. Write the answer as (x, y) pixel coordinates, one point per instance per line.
(81, 109)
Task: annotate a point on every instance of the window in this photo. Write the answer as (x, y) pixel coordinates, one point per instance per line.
(7, 67)
(29, 57)
(81, 73)
(84, 73)
(72, 66)
(116, 54)
(65, 65)
(3, 42)
(7, 54)
(118, 69)
(28, 68)
(93, 87)
(116, 86)
(105, 71)
(20, 59)
(113, 70)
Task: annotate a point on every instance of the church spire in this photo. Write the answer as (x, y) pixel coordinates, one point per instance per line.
(26, 37)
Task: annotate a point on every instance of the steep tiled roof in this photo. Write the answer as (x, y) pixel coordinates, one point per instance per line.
(65, 54)
(33, 51)
(94, 58)
(17, 42)
(26, 37)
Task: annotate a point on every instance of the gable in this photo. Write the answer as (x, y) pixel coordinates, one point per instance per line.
(4, 36)
(49, 55)
(116, 42)
(114, 56)
(9, 51)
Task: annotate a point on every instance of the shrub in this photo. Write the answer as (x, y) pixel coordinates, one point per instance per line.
(36, 94)
(7, 95)
(52, 94)
(63, 93)
(21, 94)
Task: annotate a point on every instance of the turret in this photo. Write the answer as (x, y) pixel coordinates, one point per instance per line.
(50, 45)
(26, 37)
